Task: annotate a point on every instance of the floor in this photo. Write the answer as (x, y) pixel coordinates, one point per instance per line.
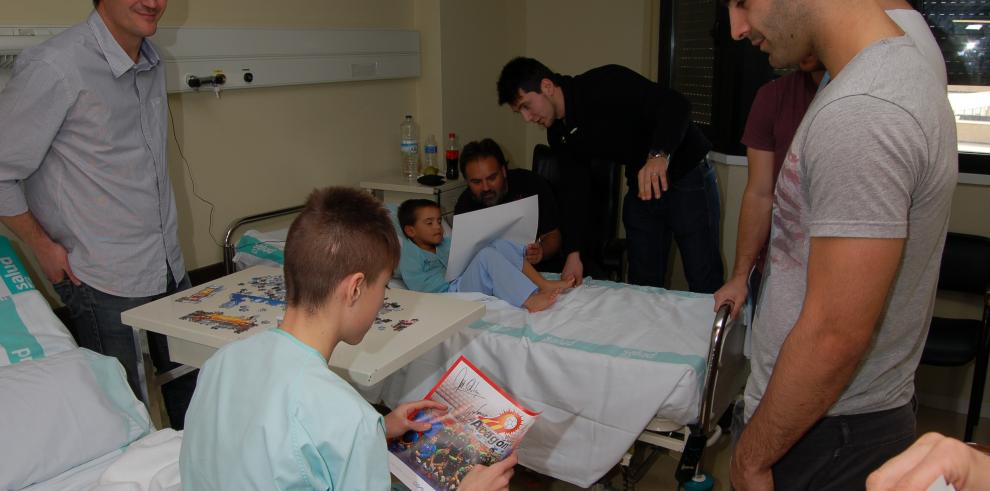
(660, 476)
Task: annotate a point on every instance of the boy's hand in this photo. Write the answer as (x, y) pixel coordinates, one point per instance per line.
(534, 252)
(399, 420)
(494, 477)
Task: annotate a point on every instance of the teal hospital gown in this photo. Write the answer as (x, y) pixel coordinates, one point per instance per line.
(269, 414)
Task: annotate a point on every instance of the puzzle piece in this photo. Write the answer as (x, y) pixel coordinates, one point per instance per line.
(219, 320)
(403, 324)
(200, 295)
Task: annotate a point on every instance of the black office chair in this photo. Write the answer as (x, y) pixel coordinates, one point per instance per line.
(955, 342)
(602, 252)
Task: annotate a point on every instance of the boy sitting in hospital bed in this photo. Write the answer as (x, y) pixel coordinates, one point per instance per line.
(499, 269)
(267, 412)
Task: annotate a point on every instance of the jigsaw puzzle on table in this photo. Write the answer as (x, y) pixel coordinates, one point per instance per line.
(382, 321)
(242, 309)
(252, 303)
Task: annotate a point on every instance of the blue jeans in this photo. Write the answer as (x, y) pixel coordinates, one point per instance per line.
(687, 213)
(96, 321)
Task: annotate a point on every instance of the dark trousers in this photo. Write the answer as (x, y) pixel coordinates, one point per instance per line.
(839, 452)
(96, 324)
(688, 213)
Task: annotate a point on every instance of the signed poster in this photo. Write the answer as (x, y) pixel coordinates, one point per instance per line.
(483, 425)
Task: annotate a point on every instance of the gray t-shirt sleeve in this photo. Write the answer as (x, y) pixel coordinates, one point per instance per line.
(862, 179)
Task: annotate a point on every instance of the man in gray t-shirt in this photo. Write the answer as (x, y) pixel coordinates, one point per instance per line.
(859, 220)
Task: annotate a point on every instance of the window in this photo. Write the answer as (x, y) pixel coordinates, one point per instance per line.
(962, 30)
(719, 76)
(692, 55)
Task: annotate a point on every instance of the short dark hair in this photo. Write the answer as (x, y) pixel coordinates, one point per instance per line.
(96, 3)
(341, 231)
(408, 209)
(521, 73)
(480, 149)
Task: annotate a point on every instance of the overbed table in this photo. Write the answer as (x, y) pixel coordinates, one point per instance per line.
(250, 301)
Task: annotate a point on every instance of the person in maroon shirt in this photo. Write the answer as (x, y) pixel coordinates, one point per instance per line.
(773, 119)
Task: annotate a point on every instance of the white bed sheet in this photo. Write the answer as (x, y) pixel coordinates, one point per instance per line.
(79, 478)
(599, 365)
(148, 464)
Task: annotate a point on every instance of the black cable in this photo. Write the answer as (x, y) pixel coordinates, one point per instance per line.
(191, 178)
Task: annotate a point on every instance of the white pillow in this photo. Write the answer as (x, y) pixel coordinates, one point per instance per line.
(63, 411)
(29, 330)
(264, 248)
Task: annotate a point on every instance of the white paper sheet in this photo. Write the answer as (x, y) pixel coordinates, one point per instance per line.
(516, 221)
(941, 485)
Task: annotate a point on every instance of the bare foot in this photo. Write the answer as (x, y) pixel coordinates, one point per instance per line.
(561, 284)
(541, 300)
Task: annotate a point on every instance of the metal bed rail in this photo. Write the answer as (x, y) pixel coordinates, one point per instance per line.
(229, 246)
(724, 380)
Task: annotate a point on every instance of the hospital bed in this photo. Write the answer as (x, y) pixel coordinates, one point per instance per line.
(70, 420)
(611, 367)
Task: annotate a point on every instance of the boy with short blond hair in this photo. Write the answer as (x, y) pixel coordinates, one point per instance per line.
(268, 413)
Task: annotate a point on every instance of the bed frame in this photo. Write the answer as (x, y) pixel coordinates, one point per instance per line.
(728, 369)
(228, 238)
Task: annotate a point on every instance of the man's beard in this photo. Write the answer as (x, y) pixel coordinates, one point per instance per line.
(489, 198)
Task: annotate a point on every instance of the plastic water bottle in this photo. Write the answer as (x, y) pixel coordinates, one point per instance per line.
(453, 154)
(409, 146)
(431, 162)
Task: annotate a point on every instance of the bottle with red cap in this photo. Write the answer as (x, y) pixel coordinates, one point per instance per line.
(453, 153)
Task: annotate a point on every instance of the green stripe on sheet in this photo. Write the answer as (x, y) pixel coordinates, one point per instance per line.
(15, 338)
(640, 288)
(697, 363)
(257, 248)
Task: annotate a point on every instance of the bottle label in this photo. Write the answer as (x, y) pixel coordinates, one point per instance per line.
(452, 154)
(430, 149)
(409, 147)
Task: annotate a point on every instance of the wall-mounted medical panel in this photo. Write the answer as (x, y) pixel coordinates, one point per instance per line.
(199, 58)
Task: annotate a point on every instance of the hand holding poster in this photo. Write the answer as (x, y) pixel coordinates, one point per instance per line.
(483, 425)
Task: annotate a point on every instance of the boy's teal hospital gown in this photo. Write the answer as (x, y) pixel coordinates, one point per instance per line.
(495, 270)
(269, 414)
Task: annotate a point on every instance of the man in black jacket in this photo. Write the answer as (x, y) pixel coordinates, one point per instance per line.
(613, 113)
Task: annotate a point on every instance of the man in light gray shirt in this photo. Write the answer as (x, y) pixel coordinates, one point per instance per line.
(860, 214)
(84, 176)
